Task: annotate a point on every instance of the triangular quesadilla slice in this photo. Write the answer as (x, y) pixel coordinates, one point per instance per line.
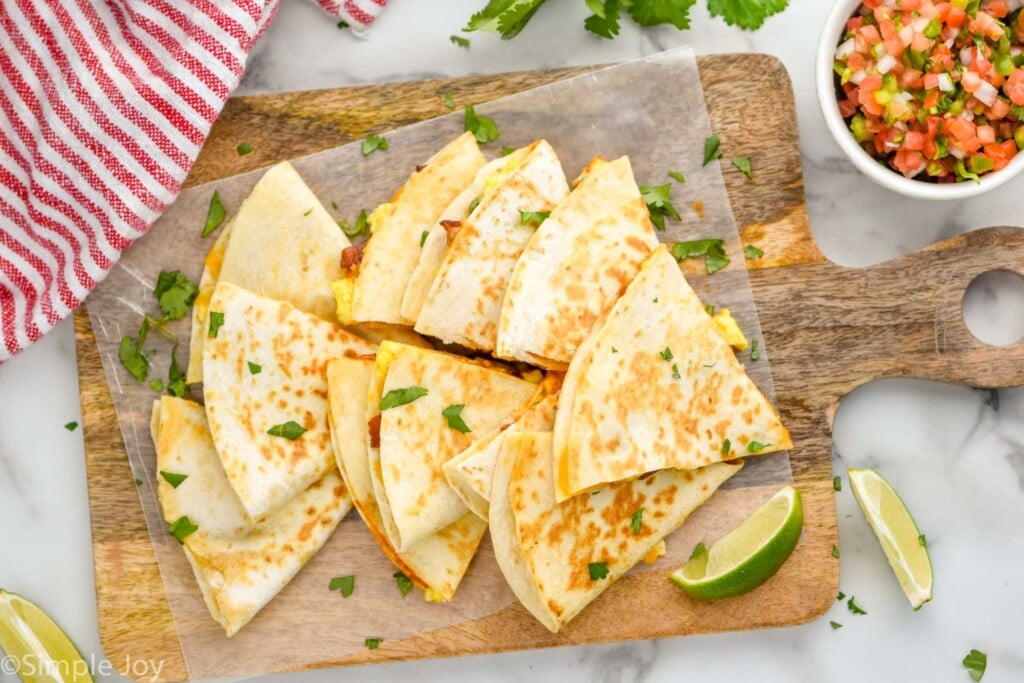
(469, 473)
(575, 266)
(201, 306)
(558, 557)
(438, 562)
(424, 407)
(265, 387)
(239, 568)
(463, 305)
(654, 386)
(372, 290)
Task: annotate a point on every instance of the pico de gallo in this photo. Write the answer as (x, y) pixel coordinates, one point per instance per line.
(935, 90)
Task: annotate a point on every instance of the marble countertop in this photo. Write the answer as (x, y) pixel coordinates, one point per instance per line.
(956, 454)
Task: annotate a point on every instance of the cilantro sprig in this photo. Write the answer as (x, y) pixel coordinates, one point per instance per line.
(483, 128)
(659, 203)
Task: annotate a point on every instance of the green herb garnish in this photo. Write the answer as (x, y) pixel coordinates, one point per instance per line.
(754, 353)
(459, 40)
(216, 321)
(172, 478)
(598, 570)
(659, 203)
(835, 551)
(853, 606)
(345, 584)
(71, 426)
(756, 446)
(666, 354)
(505, 151)
(726, 447)
(361, 225)
(922, 540)
(373, 643)
(131, 356)
(174, 293)
(976, 662)
(449, 100)
(636, 521)
(374, 142)
(840, 596)
(711, 151)
(752, 252)
(835, 625)
(156, 385)
(290, 430)
(483, 128)
(215, 215)
(677, 176)
(243, 149)
(837, 483)
(453, 414)
(182, 528)
(712, 250)
(675, 372)
(175, 377)
(399, 397)
(254, 368)
(404, 583)
(743, 164)
(472, 205)
(534, 218)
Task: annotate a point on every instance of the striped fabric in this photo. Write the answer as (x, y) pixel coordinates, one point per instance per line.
(104, 105)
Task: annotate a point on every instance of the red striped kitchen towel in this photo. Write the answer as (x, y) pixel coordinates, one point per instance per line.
(104, 105)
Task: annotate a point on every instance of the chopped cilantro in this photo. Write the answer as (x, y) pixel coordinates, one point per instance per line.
(373, 643)
(505, 151)
(675, 372)
(345, 584)
(712, 250)
(756, 446)
(752, 252)
(374, 142)
(174, 293)
(614, 350)
(404, 583)
(182, 528)
(423, 237)
(459, 40)
(172, 478)
(754, 353)
(449, 100)
(598, 570)
(254, 368)
(976, 662)
(677, 176)
(71, 426)
(399, 397)
(726, 447)
(131, 356)
(666, 354)
(342, 24)
(636, 521)
(854, 607)
(361, 225)
(604, 21)
(243, 149)
(290, 430)
(747, 14)
(835, 551)
(156, 385)
(743, 164)
(215, 215)
(922, 540)
(175, 377)
(659, 203)
(472, 205)
(138, 482)
(216, 321)
(835, 625)
(533, 218)
(453, 414)
(711, 151)
(837, 483)
(483, 128)
(308, 211)
(840, 596)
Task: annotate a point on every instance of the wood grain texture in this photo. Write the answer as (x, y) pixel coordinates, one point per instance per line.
(828, 329)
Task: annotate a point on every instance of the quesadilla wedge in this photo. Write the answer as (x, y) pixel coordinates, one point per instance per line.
(201, 306)
(424, 407)
(575, 266)
(470, 472)
(463, 305)
(558, 557)
(239, 568)
(265, 386)
(657, 386)
(437, 563)
(372, 291)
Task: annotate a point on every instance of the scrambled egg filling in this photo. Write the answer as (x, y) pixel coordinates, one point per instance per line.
(594, 163)
(654, 553)
(344, 291)
(730, 330)
(431, 595)
(377, 216)
(533, 376)
(492, 181)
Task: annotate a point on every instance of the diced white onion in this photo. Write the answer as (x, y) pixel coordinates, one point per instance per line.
(920, 24)
(946, 83)
(878, 51)
(886, 64)
(956, 153)
(954, 32)
(987, 94)
(906, 35)
(846, 49)
(858, 77)
(917, 171)
(967, 55)
(901, 125)
(949, 43)
(966, 115)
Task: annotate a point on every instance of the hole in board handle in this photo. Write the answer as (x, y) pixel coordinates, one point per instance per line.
(993, 307)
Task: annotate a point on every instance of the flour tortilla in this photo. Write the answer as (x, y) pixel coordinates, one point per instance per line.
(470, 472)
(416, 439)
(622, 413)
(463, 305)
(438, 562)
(575, 267)
(292, 349)
(239, 568)
(390, 256)
(544, 548)
(201, 306)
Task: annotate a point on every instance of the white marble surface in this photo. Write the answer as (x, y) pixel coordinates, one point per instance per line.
(956, 454)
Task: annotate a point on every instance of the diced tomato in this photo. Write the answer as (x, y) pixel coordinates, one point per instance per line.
(914, 141)
(998, 8)
(959, 128)
(909, 5)
(854, 23)
(857, 62)
(894, 46)
(1014, 87)
(971, 82)
(871, 83)
(888, 28)
(847, 108)
(910, 78)
(931, 81)
(907, 161)
(920, 42)
(870, 34)
(980, 65)
(956, 17)
(997, 111)
(871, 4)
(986, 135)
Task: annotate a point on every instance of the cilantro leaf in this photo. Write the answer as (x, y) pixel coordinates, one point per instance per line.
(483, 128)
(131, 356)
(756, 446)
(361, 225)
(216, 321)
(835, 551)
(976, 662)
(472, 205)
(748, 14)
(743, 164)
(754, 353)
(922, 540)
(711, 151)
(373, 643)
(71, 426)
(507, 17)
(598, 570)
(345, 584)
(675, 371)
(400, 397)
(604, 21)
(156, 385)
(254, 368)
(243, 149)
(459, 40)
(374, 142)
(837, 483)
(449, 100)
(505, 151)
(404, 583)
(215, 215)
(533, 218)
(835, 625)
(174, 293)
(654, 12)
(712, 250)
(182, 528)
(666, 354)
(726, 447)
(453, 414)
(342, 24)
(290, 430)
(854, 607)
(659, 203)
(423, 237)
(636, 522)
(677, 176)
(175, 377)
(174, 479)
(752, 252)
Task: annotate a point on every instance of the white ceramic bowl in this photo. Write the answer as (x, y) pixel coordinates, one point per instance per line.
(835, 27)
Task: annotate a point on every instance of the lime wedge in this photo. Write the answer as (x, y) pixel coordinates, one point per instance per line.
(35, 647)
(748, 555)
(897, 532)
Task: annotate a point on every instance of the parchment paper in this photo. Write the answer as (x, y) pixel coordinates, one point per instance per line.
(654, 111)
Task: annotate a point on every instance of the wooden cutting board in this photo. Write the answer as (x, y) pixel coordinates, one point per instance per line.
(829, 329)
